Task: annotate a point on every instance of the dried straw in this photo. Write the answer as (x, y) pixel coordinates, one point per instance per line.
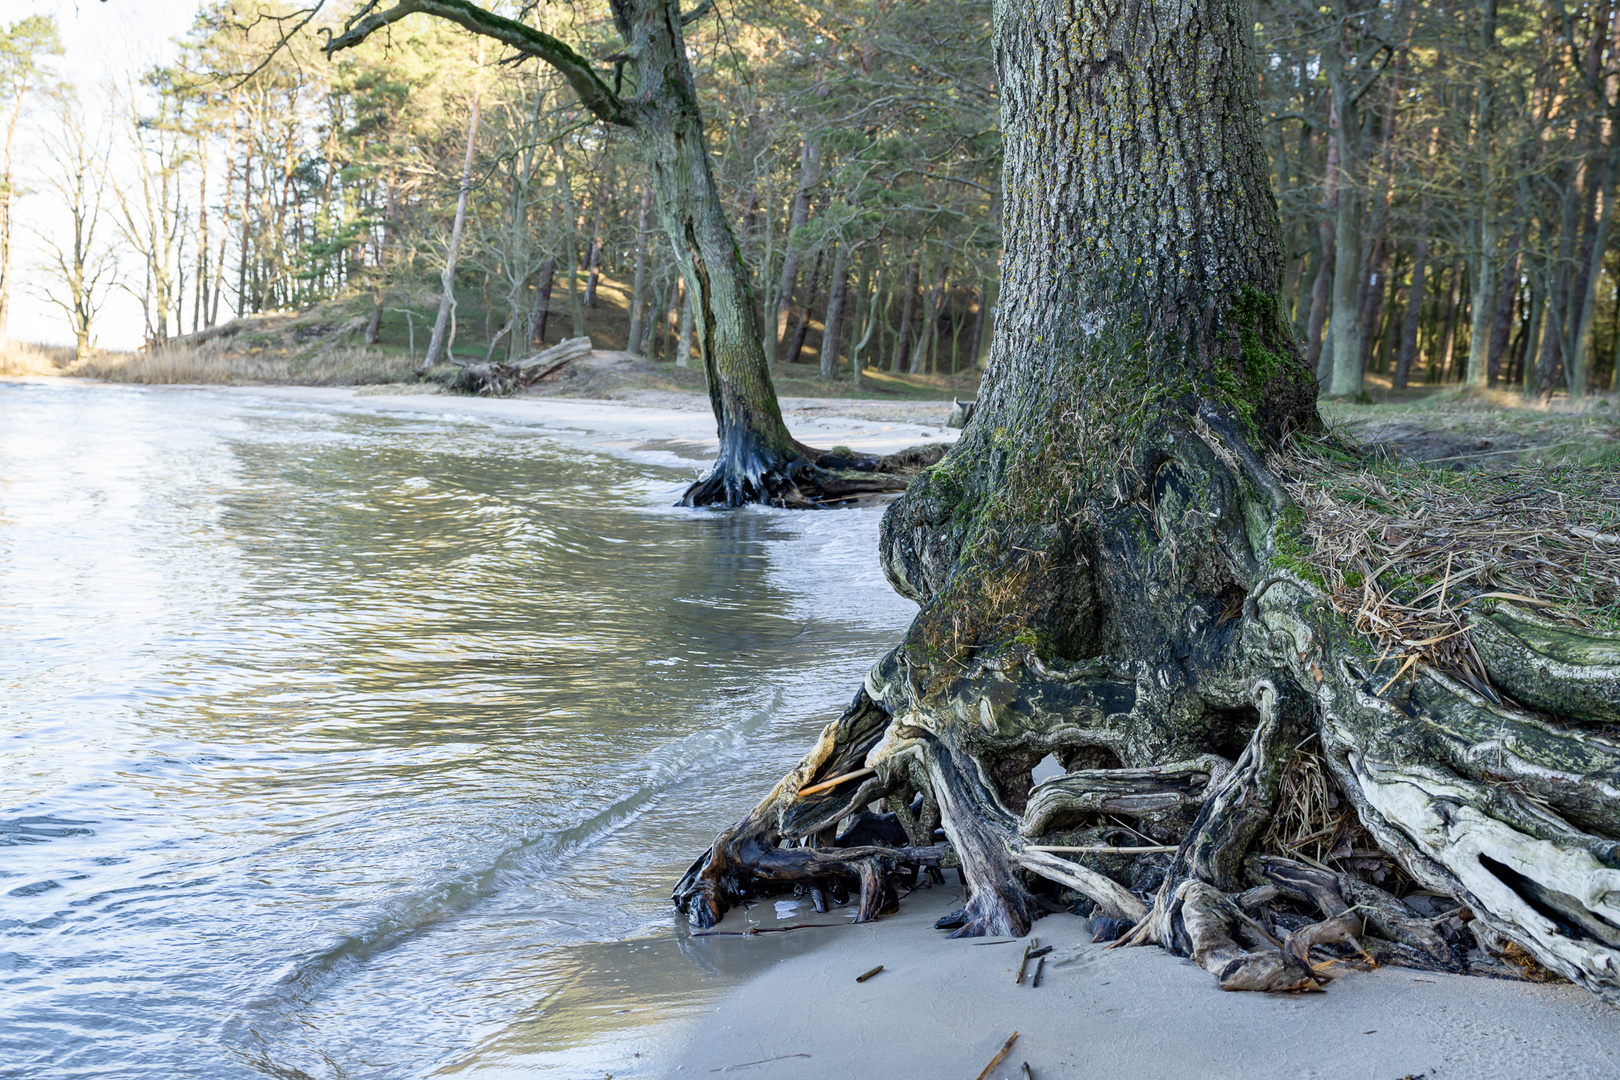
(1409, 552)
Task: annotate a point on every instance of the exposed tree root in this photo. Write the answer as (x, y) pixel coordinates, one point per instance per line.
(801, 477)
(1180, 665)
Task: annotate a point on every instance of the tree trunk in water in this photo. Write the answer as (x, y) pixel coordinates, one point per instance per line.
(1103, 572)
(447, 280)
(638, 294)
(833, 329)
(758, 461)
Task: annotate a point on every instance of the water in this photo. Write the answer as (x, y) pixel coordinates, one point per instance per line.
(338, 744)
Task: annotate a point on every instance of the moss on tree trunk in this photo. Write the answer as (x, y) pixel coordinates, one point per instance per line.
(1108, 572)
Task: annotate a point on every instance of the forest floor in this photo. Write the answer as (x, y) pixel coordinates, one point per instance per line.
(1457, 429)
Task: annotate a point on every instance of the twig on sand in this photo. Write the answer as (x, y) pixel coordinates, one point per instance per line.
(1006, 1046)
(764, 930)
(1034, 943)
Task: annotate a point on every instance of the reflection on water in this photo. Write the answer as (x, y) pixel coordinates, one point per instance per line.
(342, 745)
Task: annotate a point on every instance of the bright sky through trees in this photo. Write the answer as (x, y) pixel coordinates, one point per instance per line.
(104, 45)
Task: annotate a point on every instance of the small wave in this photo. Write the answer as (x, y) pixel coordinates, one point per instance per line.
(38, 830)
(299, 982)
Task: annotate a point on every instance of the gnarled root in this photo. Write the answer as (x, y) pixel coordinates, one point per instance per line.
(1145, 650)
(1204, 923)
(749, 860)
(803, 478)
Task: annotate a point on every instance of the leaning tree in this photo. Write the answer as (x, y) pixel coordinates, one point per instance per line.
(759, 460)
(1109, 570)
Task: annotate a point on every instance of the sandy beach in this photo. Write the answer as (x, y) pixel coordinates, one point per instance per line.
(680, 422)
(943, 1008)
(788, 1005)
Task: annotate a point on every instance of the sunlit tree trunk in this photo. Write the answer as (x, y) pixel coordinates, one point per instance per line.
(447, 279)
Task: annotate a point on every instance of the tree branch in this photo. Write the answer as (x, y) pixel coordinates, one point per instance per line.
(697, 13)
(593, 93)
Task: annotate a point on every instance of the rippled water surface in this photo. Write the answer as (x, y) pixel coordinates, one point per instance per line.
(339, 744)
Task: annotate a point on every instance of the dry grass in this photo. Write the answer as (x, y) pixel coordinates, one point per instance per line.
(1314, 823)
(215, 362)
(25, 358)
(1410, 552)
(1461, 428)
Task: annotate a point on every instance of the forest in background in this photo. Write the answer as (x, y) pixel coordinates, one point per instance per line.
(1445, 174)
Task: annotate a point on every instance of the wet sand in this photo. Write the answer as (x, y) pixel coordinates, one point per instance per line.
(681, 422)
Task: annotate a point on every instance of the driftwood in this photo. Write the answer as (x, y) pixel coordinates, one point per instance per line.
(498, 380)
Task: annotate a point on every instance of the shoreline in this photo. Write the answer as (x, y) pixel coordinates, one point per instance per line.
(943, 1008)
(752, 1006)
(683, 422)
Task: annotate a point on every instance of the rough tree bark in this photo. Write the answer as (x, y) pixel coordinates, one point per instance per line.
(1107, 571)
(759, 461)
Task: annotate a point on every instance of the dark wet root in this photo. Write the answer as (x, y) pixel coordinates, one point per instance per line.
(805, 478)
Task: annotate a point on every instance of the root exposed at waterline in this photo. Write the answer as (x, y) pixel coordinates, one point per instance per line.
(804, 478)
(1327, 801)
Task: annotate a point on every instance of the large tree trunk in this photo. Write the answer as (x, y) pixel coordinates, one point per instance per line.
(1105, 573)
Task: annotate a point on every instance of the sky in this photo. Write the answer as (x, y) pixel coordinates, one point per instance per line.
(105, 44)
